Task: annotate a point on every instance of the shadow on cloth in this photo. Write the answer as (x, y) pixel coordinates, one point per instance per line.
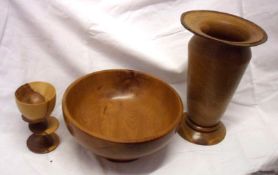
(144, 165)
(134, 61)
(269, 168)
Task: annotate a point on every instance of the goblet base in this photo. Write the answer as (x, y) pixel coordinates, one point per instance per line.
(43, 143)
(201, 135)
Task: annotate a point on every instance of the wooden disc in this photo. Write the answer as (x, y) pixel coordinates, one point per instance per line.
(45, 128)
(43, 144)
(202, 135)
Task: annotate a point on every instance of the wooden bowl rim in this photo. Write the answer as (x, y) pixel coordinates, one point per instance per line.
(36, 104)
(70, 119)
(247, 43)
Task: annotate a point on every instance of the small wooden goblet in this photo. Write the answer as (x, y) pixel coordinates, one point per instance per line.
(36, 101)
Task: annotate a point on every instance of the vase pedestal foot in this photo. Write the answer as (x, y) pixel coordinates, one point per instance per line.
(202, 135)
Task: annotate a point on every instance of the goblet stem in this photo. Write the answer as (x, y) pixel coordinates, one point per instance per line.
(40, 127)
(44, 138)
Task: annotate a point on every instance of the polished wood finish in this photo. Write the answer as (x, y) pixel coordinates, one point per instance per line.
(47, 127)
(121, 114)
(43, 144)
(219, 53)
(36, 101)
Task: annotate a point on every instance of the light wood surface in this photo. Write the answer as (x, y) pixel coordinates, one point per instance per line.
(36, 101)
(121, 114)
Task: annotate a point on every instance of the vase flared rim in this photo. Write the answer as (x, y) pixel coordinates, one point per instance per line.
(223, 27)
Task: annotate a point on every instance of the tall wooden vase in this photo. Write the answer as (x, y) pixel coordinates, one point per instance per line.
(219, 53)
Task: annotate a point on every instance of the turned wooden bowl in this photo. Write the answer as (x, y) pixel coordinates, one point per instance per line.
(121, 115)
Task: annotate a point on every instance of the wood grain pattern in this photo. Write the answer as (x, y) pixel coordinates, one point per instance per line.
(219, 53)
(121, 114)
(36, 101)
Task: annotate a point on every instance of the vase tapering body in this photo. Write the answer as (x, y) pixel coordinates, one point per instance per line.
(218, 55)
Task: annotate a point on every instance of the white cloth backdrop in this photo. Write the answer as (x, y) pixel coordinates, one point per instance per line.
(60, 40)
